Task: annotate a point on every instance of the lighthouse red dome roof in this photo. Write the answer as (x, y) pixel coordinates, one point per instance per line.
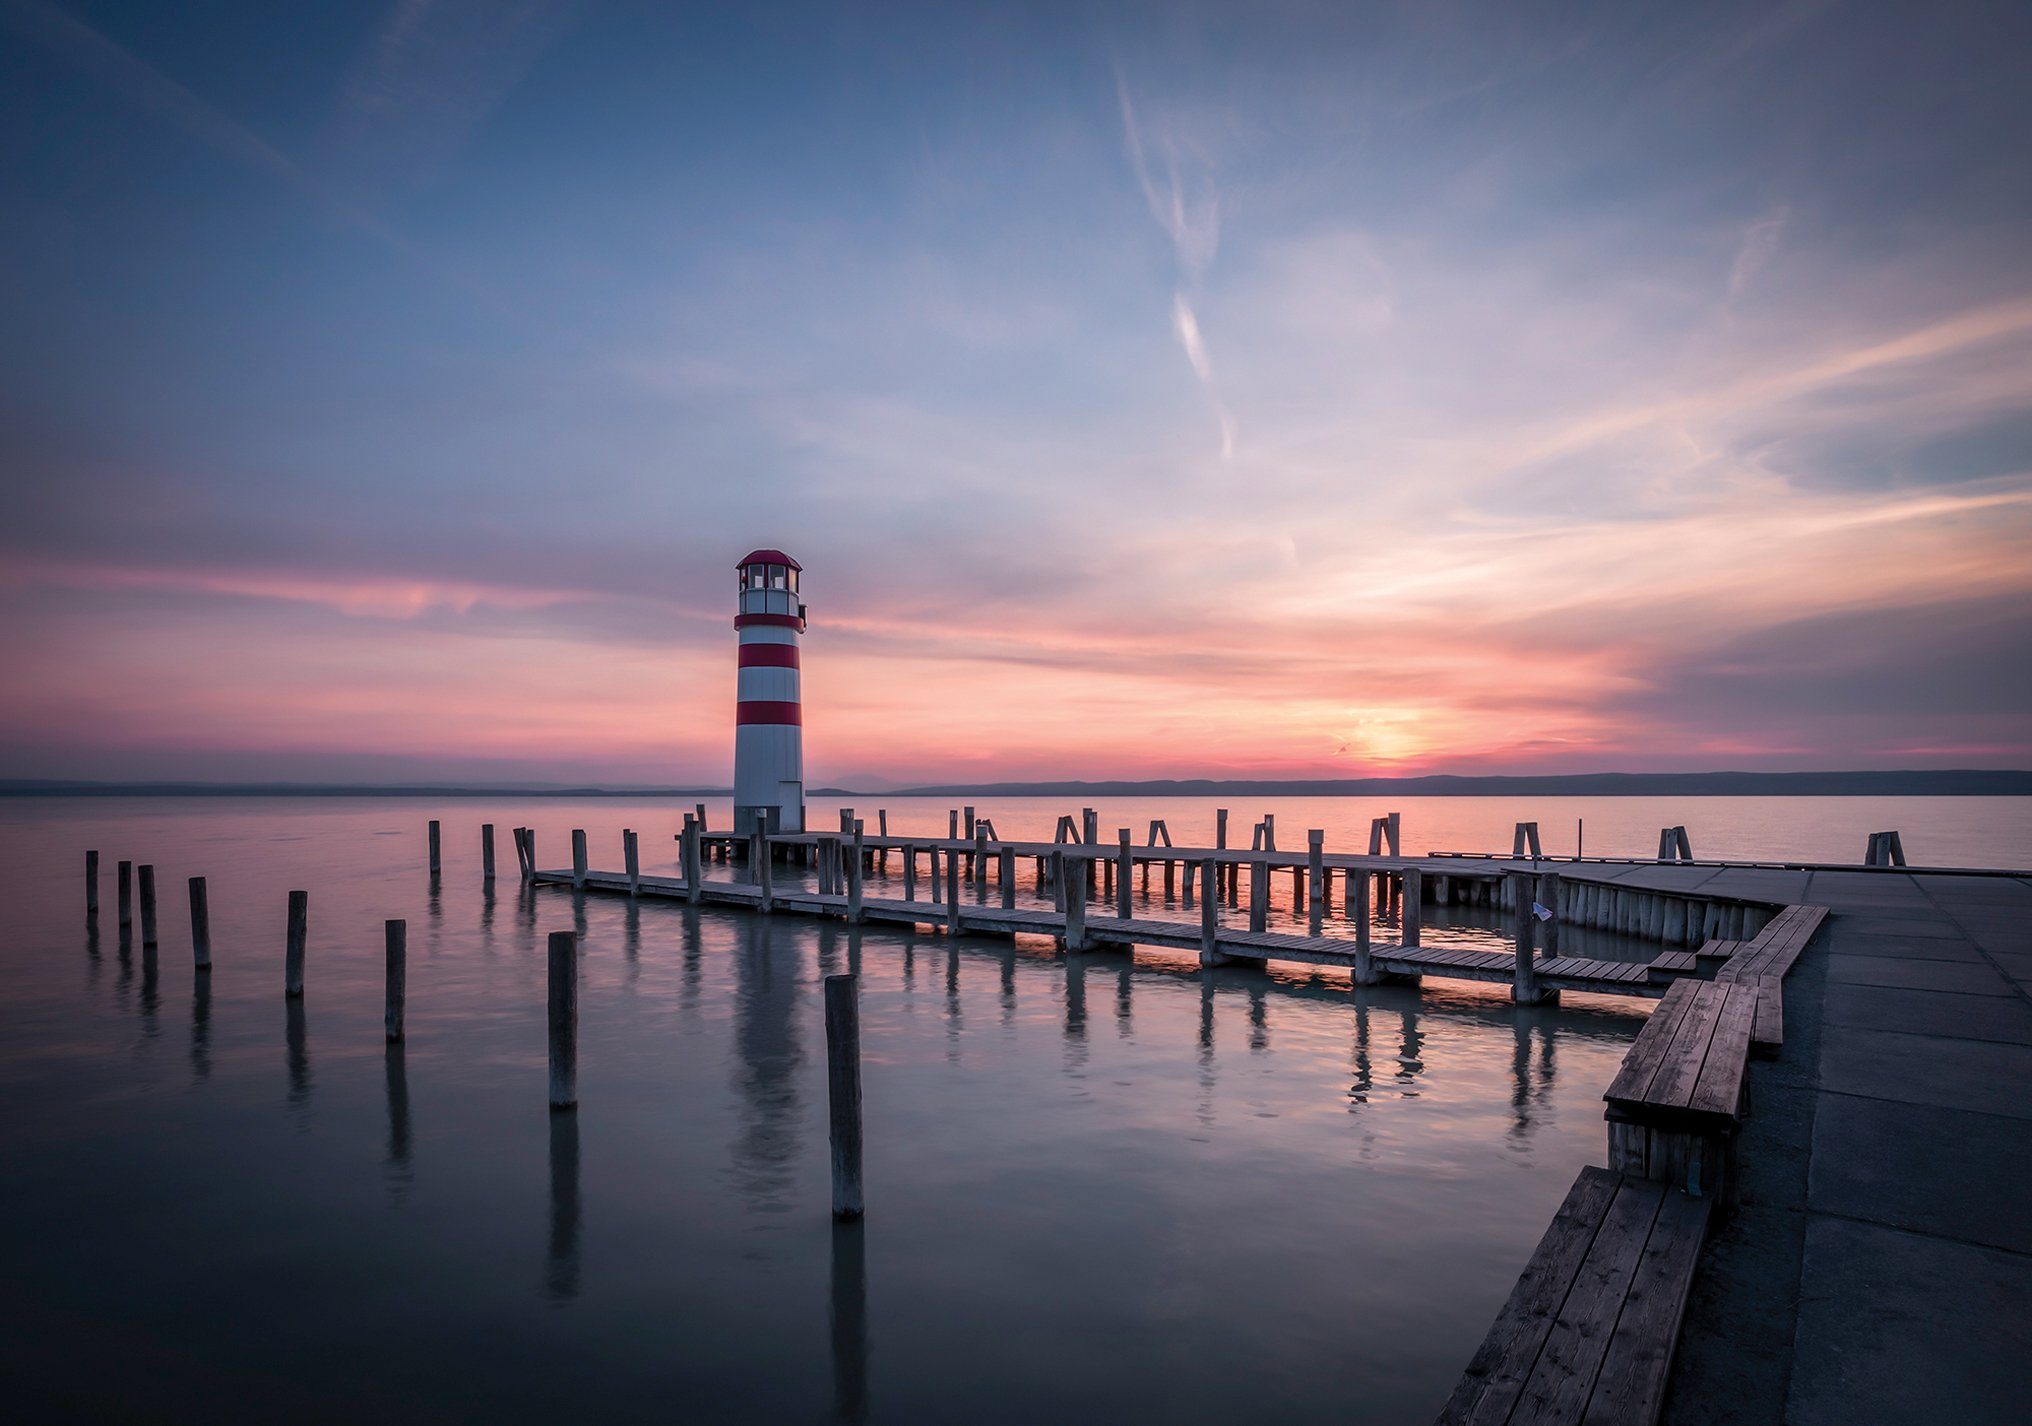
(769, 557)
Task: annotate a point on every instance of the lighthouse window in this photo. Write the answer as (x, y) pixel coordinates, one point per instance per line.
(793, 581)
(776, 577)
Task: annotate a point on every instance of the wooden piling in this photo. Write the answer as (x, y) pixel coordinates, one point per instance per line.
(487, 852)
(436, 859)
(299, 932)
(1365, 972)
(1259, 895)
(1411, 912)
(1394, 824)
(910, 871)
(952, 893)
(200, 925)
(1125, 862)
(529, 851)
(578, 859)
(759, 860)
(126, 894)
(1209, 917)
(395, 937)
(631, 856)
(1548, 897)
(1315, 876)
(854, 879)
(91, 884)
(147, 905)
(1008, 877)
(564, 1019)
(1075, 888)
(843, 1086)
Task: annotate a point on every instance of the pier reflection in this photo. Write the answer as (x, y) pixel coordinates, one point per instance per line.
(1125, 1006)
(1410, 1049)
(151, 1000)
(1364, 1070)
(395, 1073)
(1207, 1078)
(1075, 1011)
(201, 1027)
(954, 1020)
(849, 1320)
(561, 1263)
(297, 1059)
(768, 1054)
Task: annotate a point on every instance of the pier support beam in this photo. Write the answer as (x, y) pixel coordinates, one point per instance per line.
(1075, 888)
(1524, 988)
(395, 943)
(292, 956)
(1210, 953)
(843, 1091)
(147, 873)
(200, 925)
(1410, 909)
(854, 875)
(487, 853)
(436, 860)
(631, 855)
(1315, 876)
(564, 1019)
(578, 859)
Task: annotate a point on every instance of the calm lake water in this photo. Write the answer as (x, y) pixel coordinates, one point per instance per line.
(1097, 1189)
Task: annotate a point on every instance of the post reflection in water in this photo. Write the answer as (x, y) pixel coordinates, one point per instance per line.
(1365, 1079)
(954, 1022)
(395, 1066)
(201, 1027)
(1207, 1077)
(297, 1056)
(631, 940)
(150, 1000)
(768, 1054)
(1006, 954)
(561, 1263)
(849, 1318)
(1125, 1023)
(1530, 1093)
(1259, 1016)
(1410, 1046)
(689, 962)
(1075, 1011)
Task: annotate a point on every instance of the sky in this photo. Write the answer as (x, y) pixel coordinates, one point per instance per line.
(1298, 390)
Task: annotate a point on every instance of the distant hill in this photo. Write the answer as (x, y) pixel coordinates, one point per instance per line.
(1958, 782)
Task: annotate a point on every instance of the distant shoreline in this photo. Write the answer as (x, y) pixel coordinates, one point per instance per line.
(1960, 782)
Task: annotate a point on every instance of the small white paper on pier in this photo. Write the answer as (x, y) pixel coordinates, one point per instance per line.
(1543, 913)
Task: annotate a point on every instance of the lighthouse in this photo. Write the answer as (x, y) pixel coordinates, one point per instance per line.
(768, 718)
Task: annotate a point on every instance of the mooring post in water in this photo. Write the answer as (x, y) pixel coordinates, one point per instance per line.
(435, 863)
(395, 938)
(1410, 909)
(979, 868)
(487, 852)
(529, 850)
(200, 925)
(578, 859)
(854, 879)
(1548, 928)
(1220, 844)
(631, 853)
(1209, 917)
(910, 871)
(1259, 895)
(1075, 903)
(299, 930)
(1365, 972)
(1524, 988)
(564, 1019)
(147, 905)
(758, 854)
(1008, 877)
(1395, 825)
(952, 893)
(91, 884)
(1315, 877)
(843, 1084)
(1125, 860)
(126, 895)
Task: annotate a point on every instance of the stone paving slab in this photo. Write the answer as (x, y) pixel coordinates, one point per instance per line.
(1969, 978)
(1895, 1328)
(1847, 942)
(1949, 1172)
(1953, 1073)
(1930, 1012)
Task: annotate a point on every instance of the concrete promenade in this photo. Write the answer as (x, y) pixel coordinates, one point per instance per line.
(1880, 1267)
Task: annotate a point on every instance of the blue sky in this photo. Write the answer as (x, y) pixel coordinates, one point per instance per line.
(1170, 389)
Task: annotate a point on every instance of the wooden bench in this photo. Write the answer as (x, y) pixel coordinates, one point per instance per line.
(1763, 962)
(1680, 1096)
(1589, 1330)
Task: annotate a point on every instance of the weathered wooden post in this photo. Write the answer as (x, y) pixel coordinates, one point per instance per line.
(691, 864)
(910, 871)
(1090, 833)
(1259, 895)
(843, 1086)
(1394, 825)
(882, 831)
(931, 873)
(564, 1019)
(92, 884)
(1125, 859)
(1220, 845)
(854, 880)
(395, 935)
(1210, 919)
(299, 932)
(1269, 831)
(1315, 876)
(200, 925)
(126, 899)
(1365, 972)
(487, 852)
(1410, 910)
(436, 862)
(578, 859)
(698, 810)
(1007, 877)
(979, 864)
(1548, 929)
(1524, 987)
(1075, 888)
(147, 905)
(529, 850)
(952, 893)
(631, 854)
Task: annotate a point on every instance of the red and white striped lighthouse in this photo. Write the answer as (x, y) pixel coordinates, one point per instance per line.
(768, 719)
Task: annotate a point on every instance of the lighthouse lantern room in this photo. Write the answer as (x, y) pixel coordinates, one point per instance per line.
(768, 717)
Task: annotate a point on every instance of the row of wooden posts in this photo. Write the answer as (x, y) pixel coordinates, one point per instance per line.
(842, 1014)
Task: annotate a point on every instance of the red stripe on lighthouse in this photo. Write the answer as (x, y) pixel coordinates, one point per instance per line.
(759, 711)
(769, 656)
